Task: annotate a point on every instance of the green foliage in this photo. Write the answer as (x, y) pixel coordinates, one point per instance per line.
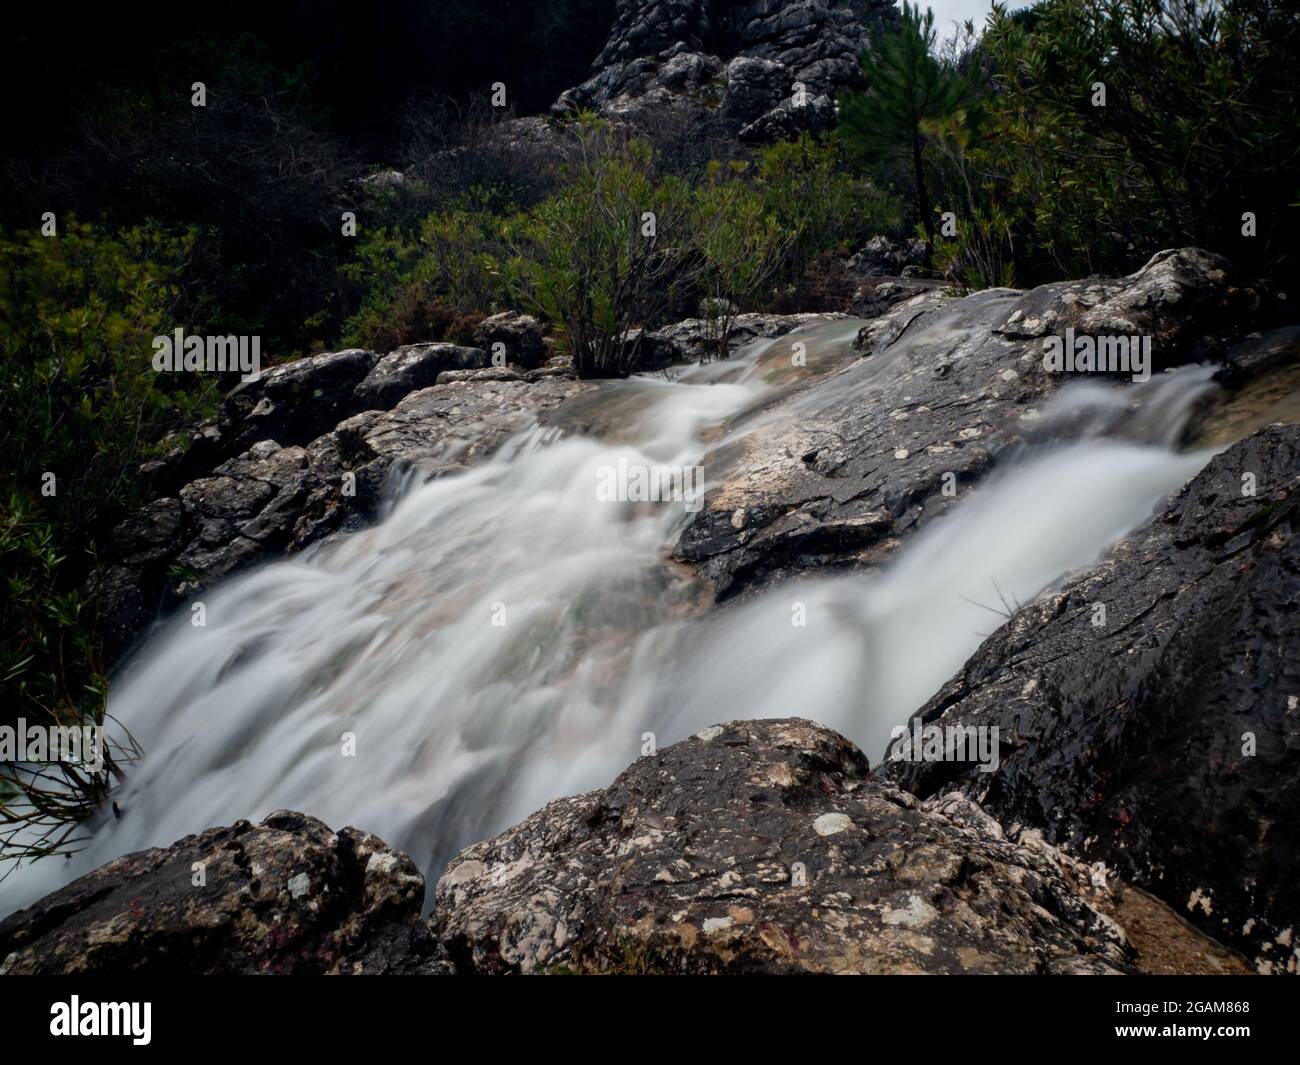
(1197, 127)
(804, 185)
(910, 88)
(612, 248)
(591, 260)
(425, 285)
(743, 246)
(81, 401)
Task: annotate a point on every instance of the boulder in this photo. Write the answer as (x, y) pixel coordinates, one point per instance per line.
(520, 334)
(1187, 300)
(287, 896)
(411, 368)
(1149, 710)
(690, 338)
(761, 847)
(295, 402)
(883, 257)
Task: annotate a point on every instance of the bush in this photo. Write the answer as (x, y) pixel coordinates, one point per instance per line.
(424, 286)
(80, 403)
(743, 248)
(614, 247)
(1196, 129)
(805, 186)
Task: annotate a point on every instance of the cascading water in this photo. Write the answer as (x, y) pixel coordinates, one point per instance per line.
(501, 638)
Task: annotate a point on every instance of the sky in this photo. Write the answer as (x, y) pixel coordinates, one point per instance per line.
(946, 12)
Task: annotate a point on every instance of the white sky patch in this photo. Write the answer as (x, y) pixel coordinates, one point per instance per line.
(947, 12)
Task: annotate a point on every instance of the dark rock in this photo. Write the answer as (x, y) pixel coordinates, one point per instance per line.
(788, 119)
(520, 334)
(690, 339)
(413, 367)
(286, 896)
(1129, 740)
(759, 847)
(768, 70)
(652, 350)
(883, 257)
(296, 402)
(1187, 300)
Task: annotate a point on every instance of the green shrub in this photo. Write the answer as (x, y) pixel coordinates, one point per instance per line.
(743, 247)
(425, 285)
(806, 187)
(612, 248)
(80, 404)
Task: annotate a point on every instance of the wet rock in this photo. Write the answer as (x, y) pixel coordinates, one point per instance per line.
(876, 450)
(1162, 737)
(413, 367)
(287, 896)
(1187, 300)
(296, 402)
(520, 335)
(759, 847)
(691, 338)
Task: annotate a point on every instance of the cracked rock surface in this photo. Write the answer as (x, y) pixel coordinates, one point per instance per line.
(839, 476)
(760, 846)
(287, 896)
(741, 62)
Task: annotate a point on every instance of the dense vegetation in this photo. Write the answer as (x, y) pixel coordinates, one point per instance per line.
(1075, 137)
(1080, 136)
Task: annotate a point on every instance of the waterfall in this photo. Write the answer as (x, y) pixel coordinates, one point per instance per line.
(501, 638)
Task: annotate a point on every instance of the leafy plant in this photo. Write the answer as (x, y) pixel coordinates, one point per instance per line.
(612, 248)
(79, 407)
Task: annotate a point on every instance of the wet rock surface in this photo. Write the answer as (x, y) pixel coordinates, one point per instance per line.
(1149, 711)
(759, 846)
(287, 896)
(413, 367)
(839, 475)
(767, 70)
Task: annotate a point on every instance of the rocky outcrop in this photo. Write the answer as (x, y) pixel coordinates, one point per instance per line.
(287, 896)
(1149, 711)
(758, 846)
(413, 367)
(753, 847)
(770, 70)
(944, 387)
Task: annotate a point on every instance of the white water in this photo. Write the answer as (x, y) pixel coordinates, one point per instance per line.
(463, 726)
